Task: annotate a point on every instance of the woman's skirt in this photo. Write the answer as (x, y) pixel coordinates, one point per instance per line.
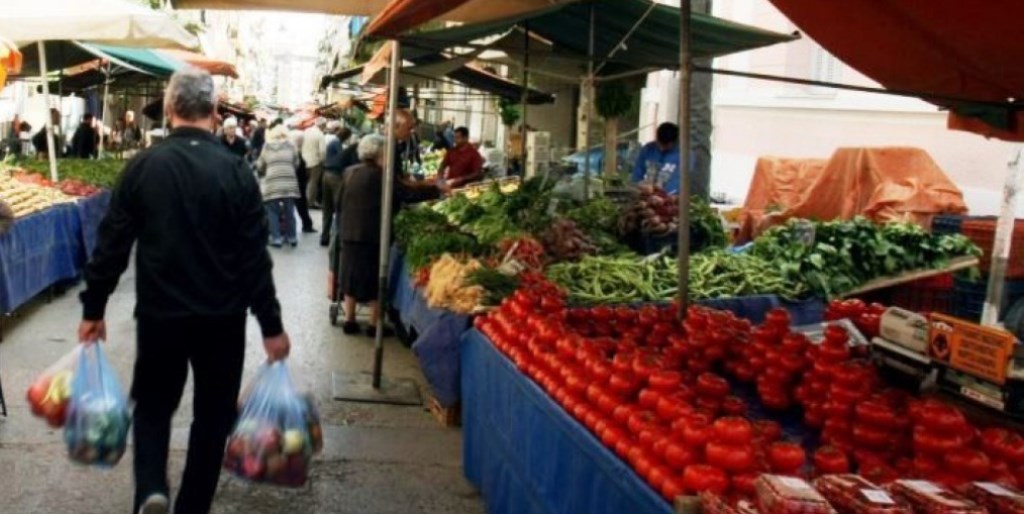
(360, 263)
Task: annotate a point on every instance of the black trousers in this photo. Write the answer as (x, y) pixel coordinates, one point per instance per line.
(302, 205)
(331, 185)
(215, 349)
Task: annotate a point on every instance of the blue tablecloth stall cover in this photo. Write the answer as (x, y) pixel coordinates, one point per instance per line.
(91, 211)
(40, 250)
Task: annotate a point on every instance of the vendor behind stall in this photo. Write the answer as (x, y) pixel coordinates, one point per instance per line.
(462, 164)
(658, 162)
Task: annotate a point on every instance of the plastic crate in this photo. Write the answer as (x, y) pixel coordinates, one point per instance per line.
(934, 294)
(969, 297)
(982, 231)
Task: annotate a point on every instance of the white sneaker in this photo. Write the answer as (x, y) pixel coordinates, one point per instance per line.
(155, 504)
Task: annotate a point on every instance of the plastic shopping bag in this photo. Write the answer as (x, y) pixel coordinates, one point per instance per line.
(96, 431)
(277, 432)
(50, 392)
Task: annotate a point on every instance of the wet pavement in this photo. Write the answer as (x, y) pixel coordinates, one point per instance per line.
(377, 458)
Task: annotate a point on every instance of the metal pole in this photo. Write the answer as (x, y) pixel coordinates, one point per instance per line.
(589, 85)
(385, 214)
(684, 157)
(43, 72)
(1005, 228)
(106, 110)
(526, 95)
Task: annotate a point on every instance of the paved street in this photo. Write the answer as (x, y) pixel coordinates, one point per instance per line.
(377, 459)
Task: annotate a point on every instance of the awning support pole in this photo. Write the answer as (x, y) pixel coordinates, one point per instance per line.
(526, 95)
(1005, 228)
(684, 157)
(106, 111)
(44, 75)
(589, 91)
(386, 202)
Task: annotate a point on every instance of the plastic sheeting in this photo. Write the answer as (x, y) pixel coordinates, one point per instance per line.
(883, 184)
(526, 455)
(438, 333)
(40, 250)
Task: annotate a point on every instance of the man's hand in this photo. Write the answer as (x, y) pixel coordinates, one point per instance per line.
(91, 331)
(277, 347)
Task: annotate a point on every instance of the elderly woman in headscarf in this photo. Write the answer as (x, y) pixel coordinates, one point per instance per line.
(359, 221)
(280, 185)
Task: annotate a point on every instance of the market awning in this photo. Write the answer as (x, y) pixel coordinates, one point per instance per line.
(63, 55)
(119, 22)
(474, 11)
(10, 60)
(629, 34)
(402, 15)
(943, 50)
(211, 65)
(146, 59)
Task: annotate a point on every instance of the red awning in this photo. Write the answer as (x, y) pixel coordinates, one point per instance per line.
(951, 49)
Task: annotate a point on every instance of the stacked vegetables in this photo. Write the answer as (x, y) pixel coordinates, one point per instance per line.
(838, 256)
(449, 286)
(24, 199)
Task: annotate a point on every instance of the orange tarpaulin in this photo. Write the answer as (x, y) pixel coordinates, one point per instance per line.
(10, 60)
(962, 50)
(882, 184)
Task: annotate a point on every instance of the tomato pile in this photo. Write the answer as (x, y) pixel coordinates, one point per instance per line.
(653, 391)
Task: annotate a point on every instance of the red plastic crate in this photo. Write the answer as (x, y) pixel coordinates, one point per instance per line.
(983, 231)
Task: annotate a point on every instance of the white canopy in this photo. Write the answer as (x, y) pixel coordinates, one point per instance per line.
(114, 22)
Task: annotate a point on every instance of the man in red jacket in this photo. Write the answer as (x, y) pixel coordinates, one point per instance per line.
(463, 164)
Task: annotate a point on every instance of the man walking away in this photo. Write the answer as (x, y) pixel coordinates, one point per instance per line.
(197, 215)
(333, 168)
(314, 150)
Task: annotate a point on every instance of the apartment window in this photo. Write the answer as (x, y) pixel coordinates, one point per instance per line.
(824, 68)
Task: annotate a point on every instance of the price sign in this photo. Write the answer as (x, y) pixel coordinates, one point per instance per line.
(981, 351)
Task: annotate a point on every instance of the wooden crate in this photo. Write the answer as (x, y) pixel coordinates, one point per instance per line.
(446, 416)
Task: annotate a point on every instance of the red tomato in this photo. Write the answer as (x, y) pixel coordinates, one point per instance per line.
(602, 313)
(775, 400)
(733, 406)
(711, 405)
(923, 466)
(623, 385)
(733, 430)
(876, 414)
(649, 398)
(767, 430)
(699, 478)
(744, 373)
(680, 456)
(643, 464)
(833, 354)
(871, 437)
(927, 442)
(672, 488)
(836, 334)
(879, 473)
(711, 385)
(830, 460)
(670, 408)
(744, 484)
(622, 413)
(612, 436)
(665, 380)
(1004, 444)
(696, 433)
(732, 458)
(967, 463)
(642, 420)
(785, 457)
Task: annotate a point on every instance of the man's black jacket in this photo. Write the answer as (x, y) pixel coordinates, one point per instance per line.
(197, 214)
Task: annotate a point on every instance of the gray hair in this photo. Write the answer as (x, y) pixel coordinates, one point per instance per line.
(370, 147)
(191, 94)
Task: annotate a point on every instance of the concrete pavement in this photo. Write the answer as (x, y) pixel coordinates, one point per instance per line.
(377, 458)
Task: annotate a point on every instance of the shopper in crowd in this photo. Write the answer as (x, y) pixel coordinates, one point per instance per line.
(359, 222)
(277, 168)
(25, 139)
(449, 132)
(462, 164)
(407, 190)
(314, 150)
(302, 204)
(86, 140)
(658, 161)
(232, 140)
(131, 137)
(440, 142)
(41, 142)
(411, 149)
(259, 137)
(333, 168)
(195, 216)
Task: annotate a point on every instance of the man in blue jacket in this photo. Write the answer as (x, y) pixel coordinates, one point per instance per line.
(658, 162)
